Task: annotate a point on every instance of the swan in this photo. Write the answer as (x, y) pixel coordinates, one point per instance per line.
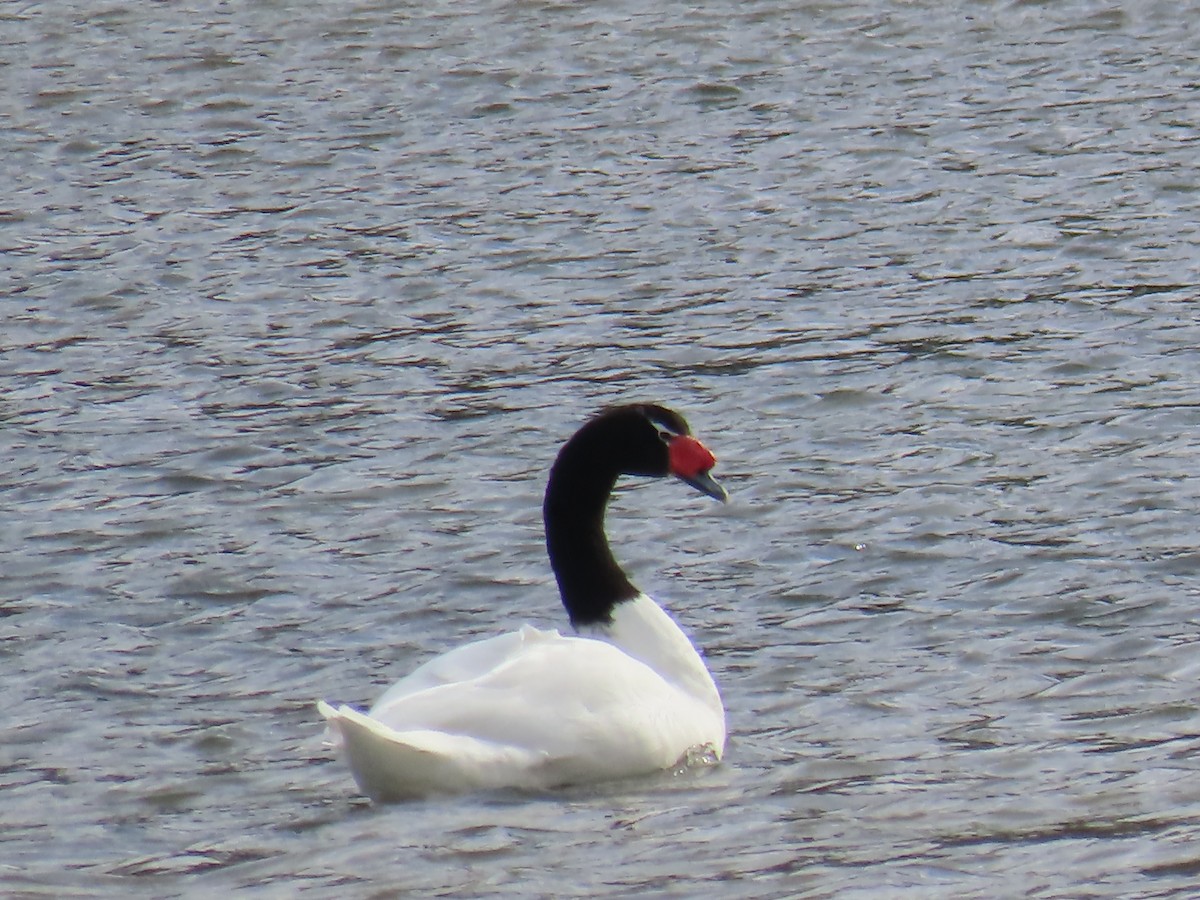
(626, 694)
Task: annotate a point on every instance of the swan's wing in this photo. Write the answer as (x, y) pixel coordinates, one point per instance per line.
(564, 698)
(527, 709)
(465, 663)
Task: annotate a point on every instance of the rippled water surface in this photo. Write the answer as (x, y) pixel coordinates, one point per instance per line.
(301, 298)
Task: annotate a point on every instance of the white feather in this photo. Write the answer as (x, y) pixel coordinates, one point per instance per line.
(535, 709)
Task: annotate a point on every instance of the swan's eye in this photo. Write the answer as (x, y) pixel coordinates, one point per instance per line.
(666, 433)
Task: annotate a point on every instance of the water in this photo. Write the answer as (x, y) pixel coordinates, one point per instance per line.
(300, 300)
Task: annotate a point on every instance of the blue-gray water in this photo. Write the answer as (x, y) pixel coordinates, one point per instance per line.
(300, 299)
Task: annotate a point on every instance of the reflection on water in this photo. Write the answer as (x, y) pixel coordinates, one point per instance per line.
(301, 301)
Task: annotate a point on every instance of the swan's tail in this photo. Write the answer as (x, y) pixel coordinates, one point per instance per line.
(402, 765)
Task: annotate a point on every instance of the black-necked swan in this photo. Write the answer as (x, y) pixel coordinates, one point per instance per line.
(626, 695)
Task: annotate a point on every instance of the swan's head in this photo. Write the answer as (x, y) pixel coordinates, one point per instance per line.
(650, 440)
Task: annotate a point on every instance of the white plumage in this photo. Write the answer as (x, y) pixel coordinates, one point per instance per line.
(535, 709)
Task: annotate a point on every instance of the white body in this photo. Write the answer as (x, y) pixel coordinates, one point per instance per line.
(535, 709)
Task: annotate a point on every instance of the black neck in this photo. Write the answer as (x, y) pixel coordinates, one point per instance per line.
(589, 579)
